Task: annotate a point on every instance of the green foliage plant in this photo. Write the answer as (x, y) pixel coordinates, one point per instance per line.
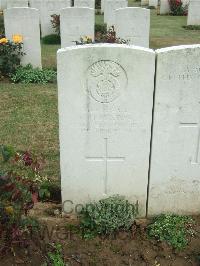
(19, 175)
(100, 28)
(10, 56)
(172, 228)
(55, 255)
(107, 216)
(177, 8)
(28, 75)
(51, 39)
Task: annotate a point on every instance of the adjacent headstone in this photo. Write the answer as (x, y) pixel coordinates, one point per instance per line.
(194, 13)
(135, 27)
(144, 2)
(76, 22)
(3, 4)
(25, 22)
(175, 160)
(105, 114)
(153, 3)
(17, 3)
(84, 3)
(109, 10)
(48, 8)
(164, 7)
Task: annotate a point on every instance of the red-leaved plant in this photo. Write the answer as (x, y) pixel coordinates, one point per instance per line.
(177, 8)
(19, 185)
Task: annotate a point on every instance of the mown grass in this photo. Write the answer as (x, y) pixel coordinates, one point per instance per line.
(28, 113)
(29, 121)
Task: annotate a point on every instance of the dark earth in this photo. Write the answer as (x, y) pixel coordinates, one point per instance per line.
(133, 248)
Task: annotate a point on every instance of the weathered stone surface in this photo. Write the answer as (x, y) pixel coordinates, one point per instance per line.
(194, 13)
(109, 10)
(175, 161)
(48, 8)
(25, 21)
(17, 3)
(135, 27)
(164, 7)
(3, 4)
(105, 114)
(84, 3)
(153, 3)
(76, 22)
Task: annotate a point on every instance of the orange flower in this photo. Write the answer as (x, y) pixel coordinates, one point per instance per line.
(3, 40)
(17, 38)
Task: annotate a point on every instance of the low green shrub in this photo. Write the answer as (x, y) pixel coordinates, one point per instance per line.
(51, 39)
(102, 28)
(172, 228)
(192, 27)
(28, 74)
(107, 216)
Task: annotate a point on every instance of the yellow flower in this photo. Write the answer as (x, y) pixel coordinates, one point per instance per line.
(3, 40)
(9, 210)
(17, 38)
(84, 39)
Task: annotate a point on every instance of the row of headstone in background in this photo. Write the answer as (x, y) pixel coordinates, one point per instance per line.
(193, 9)
(105, 111)
(46, 9)
(76, 23)
(135, 28)
(109, 10)
(25, 3)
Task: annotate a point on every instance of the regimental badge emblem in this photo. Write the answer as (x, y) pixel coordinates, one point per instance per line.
(106, 80)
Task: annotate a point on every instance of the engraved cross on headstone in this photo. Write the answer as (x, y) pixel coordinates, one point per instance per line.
(196, 159)
(105, 158)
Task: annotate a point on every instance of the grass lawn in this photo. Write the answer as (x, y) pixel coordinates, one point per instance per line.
(28, 113)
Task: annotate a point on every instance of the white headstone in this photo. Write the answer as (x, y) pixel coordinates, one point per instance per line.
(153, 3)
(135, 27)
(175, 163)
(164, 7)
(3, 4)
(194, 13)
(84, 3)
(48, 8)
(76, 22)
(109, 10)
(105, 114)
(25, 22)
(17, 3)
(144, 2)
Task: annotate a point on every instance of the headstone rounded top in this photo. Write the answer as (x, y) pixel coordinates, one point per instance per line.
(105, 45)
(76, 9)
(177, 48)
(20, 10)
